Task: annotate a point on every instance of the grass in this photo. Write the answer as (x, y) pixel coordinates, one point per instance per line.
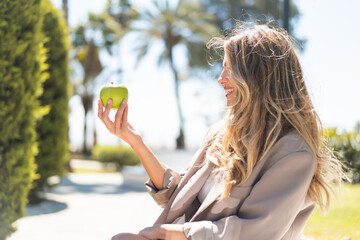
(343, 219)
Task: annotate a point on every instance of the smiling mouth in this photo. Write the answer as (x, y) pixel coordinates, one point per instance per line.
(228, 91)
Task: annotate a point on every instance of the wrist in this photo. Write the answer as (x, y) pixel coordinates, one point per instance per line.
(173, 231)
(163, 230)
(136, 142)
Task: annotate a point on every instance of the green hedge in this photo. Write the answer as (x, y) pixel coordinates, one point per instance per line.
(346, 145)
(53, 128)
(22, 59)
(121, 155)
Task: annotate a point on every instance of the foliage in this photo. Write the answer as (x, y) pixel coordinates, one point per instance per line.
(182, 25)
(343, 219)
(101, 31)
(87, 53)
(22, 58)
(53, 128)
(227, 12)
(256, 10)
(347, 148)
(121, 155)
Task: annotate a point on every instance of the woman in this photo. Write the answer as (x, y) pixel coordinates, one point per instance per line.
(259, 172)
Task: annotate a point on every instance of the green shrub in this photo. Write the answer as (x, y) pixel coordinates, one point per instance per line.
(121, 155)
(346, 146)
(22, 59)
(53, 128)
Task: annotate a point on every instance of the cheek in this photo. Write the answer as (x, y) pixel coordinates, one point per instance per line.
(233, 85)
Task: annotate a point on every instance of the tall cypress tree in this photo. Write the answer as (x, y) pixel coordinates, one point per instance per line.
(53, 128)
(21, 65)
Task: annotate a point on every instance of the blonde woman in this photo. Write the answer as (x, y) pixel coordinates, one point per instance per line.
(261, 171)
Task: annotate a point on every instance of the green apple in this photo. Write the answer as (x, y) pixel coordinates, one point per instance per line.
(116, 92)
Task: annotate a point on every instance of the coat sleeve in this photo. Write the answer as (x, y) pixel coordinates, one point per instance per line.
(172, 178)
(271, 207)
(170, 182)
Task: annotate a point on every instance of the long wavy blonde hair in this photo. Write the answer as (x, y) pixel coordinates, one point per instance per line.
(272, 100)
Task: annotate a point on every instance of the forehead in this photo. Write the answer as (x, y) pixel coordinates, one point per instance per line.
(225, 61)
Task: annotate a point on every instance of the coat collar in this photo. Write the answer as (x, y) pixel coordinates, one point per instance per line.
(213, 195)
(169, 214)
(187, 193)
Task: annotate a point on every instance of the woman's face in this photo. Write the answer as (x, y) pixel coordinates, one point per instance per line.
(229, 86)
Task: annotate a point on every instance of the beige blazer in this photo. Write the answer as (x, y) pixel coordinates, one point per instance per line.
(272, 204)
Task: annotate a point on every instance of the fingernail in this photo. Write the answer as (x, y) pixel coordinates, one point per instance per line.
(124, 101)
(109, 100)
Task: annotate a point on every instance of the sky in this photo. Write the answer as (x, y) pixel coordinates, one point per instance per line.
(330, 62)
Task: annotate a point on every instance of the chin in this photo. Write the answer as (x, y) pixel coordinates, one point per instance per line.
(229, 104)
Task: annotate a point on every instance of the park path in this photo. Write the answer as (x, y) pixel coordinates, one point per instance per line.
(94, 206)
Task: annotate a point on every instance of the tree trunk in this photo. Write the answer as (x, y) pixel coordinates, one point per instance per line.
(180, 140)
(236, 11)
(286, 13)
(84, 149)
(87, 104)
(66, 10)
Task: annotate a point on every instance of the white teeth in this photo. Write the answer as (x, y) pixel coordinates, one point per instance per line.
(229, 90)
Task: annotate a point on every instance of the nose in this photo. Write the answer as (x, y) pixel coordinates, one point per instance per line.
(222, 79)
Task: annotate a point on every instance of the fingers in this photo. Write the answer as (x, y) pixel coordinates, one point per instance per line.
(119, 117)
(104, 115)
(100, 108)
(108, 108)
(125, 114)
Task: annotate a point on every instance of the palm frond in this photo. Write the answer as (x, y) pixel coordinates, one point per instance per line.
(141, 51)
(163, 57)
(185, 23)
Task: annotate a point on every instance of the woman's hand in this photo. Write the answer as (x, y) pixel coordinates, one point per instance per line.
(164, 231)
(123, 129)
(120, 127)
(127, 236)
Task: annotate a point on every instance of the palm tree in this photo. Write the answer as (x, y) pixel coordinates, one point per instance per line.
(88, 46)
(283, 11)
(65, 8)
(186, 24)
(286, 11)
(88, 55)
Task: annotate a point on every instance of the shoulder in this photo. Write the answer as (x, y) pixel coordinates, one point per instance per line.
(289, 159)
(292, 142)
(290, 146)
(212, 133)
